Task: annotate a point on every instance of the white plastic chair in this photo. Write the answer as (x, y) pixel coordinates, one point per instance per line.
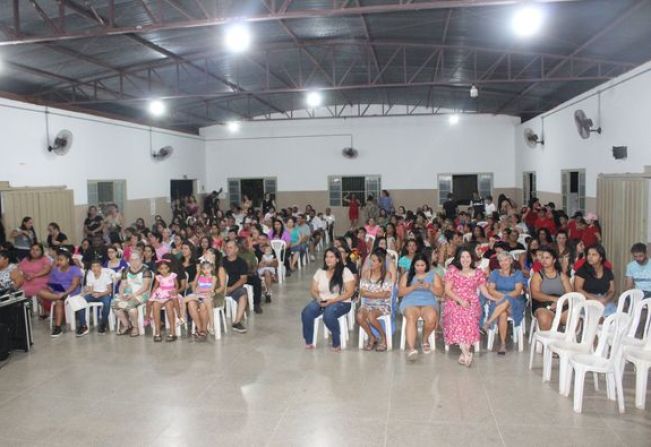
(219, 318)
(518, 335)
(141, 320)
(403, 334)
(279, 247)
(168, 324)
(630, 339)
(343, 330)
(515, 254)
(68, 316)
(602, 361)
(545, 338)
(394, 256)
(231, 305)
(640, 357)
(589, 312)
(388, 330)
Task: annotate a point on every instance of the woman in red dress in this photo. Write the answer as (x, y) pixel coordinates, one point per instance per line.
(353, 210)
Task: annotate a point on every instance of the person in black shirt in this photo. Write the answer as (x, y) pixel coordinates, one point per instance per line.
(596, 281)
(450, 207)
(55, 238)
(94, 227)
(477, 204)
(237, 272)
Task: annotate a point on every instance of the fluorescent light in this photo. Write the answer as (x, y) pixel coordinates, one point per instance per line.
(314, 99)
(474, 92)
(233, 126)
(453, 119)
(237, 38)
(157, 108)
(527, 21)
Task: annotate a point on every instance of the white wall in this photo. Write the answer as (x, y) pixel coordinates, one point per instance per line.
(407, 151)
(102, 149)
(625, 112)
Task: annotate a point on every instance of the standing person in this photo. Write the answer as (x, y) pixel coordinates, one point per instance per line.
(94, 227)
(113, 224)
(330, 222)
(419, 289)
(549, 284)
(489, 206)
(35, 269)
(24, 236)
(268, 203)
(64, 281)
(638, 271)
(385, 202)
(375, 292)
(596, 281)
(371, 208)
(99, 289)
(353, 209)
(333, 286)
(450, 207)
(477, 204)
(462, 306)
(237, 272)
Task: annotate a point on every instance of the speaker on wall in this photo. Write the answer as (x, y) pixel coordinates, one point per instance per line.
(620, 152)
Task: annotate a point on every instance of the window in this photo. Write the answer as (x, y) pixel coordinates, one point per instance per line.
(573, 190)
(463, 185)
(253, 188)
(104, 192)
(340, 187)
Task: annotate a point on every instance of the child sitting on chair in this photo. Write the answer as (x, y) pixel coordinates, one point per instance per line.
(165, 293)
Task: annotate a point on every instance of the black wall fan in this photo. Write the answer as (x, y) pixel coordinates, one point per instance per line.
(584, 124)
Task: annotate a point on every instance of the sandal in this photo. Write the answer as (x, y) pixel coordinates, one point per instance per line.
(158, 338)
(502, 350)
(337, 349)
(462, 359)
(412, 355)
(381, 347)
(309, 346)
(426, 348)
(125, 331)
(170, 338)
(134, 332)
(370, 345)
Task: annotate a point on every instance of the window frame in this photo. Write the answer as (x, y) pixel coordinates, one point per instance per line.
(266, 181)
(119, 187)
(449, 178)
(335, 195)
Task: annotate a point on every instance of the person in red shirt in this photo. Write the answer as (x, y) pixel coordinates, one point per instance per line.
(574, 232)
(545, 220)
(530, 214)
(592, 232)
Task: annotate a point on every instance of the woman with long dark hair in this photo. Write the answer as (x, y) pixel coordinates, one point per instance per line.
(333, 286)
(462, 307)
(549, 284)
(375, 292)
(24, 236)
(595, 280)
(419, 290)
(94, 227)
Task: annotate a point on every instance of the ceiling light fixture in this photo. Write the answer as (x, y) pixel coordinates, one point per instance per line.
(233, 126)
(157, 108)
(314, 99)
(527, 21)
(474, 92)
(453, 119)
(237, 38)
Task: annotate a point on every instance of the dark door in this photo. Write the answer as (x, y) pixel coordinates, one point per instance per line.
(253, 188)
(181, 188)
(462, 187)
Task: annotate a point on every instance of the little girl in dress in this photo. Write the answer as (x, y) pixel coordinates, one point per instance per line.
(203, 290)
(166, 288)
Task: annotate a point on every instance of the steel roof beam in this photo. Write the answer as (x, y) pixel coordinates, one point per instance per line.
(336, 10)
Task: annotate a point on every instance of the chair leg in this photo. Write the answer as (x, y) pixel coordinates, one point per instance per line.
(532, 350)
(579, 378)
(388, 328)
(315, 336)
(490, 339)
(619, 389)
(403, 334)
(520, 330)
(641, 377)
(477, 347)
(547, 364)
(362, 338)
(610, 386)
(566, 377)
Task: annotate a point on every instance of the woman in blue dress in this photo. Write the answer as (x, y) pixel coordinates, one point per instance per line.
(506, 295)
(419, 289)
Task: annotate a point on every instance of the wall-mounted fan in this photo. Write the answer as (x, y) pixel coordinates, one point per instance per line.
(62, 143)
(349, 152)
(532, 139)
(162, 153)
(584, 124)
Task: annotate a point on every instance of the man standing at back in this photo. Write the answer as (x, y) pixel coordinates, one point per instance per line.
(450, 207)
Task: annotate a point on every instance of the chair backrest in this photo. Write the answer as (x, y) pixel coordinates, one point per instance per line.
(448, 261)
(394, 255)
(632, 297)
(612, 332)
(467, 237)
(515, 254)
(589, 312)
(637, 315)
(278, 246)
(571, 299)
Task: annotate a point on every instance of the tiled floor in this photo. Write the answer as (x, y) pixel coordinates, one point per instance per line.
(263, 388)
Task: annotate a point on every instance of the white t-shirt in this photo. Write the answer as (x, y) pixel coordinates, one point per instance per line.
(329, 219)
(323, 284)
(317, 223)
(489, 209)
(99, 284)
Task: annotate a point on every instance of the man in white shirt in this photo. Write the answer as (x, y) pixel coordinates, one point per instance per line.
(489, 206)
(329, 219)
(99, 289)
(638, 271)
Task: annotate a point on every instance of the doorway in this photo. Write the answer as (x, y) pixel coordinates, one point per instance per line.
(253, 188)
(463, 187)
(573, 190)
(181, 188)
(528, 186)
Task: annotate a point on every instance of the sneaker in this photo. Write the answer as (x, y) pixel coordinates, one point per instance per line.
(239, 328)
(56, 331)
(102, 329)
(267, 297)
(257, 309)
(312, 258)
(82, 330)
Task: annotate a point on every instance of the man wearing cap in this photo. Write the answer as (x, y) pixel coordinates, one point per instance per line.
(638, 271)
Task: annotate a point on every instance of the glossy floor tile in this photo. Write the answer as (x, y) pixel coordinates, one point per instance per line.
(263, 389)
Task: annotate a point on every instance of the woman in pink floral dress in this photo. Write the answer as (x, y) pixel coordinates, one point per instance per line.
(462, 307)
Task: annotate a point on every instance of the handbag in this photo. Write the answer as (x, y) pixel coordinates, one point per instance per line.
(77, 303)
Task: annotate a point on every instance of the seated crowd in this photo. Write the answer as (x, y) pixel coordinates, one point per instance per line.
(468, 270)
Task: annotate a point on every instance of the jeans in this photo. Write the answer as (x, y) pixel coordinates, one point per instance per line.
(330, 315)
(254, 280)
(482, 301)
(106, 309)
